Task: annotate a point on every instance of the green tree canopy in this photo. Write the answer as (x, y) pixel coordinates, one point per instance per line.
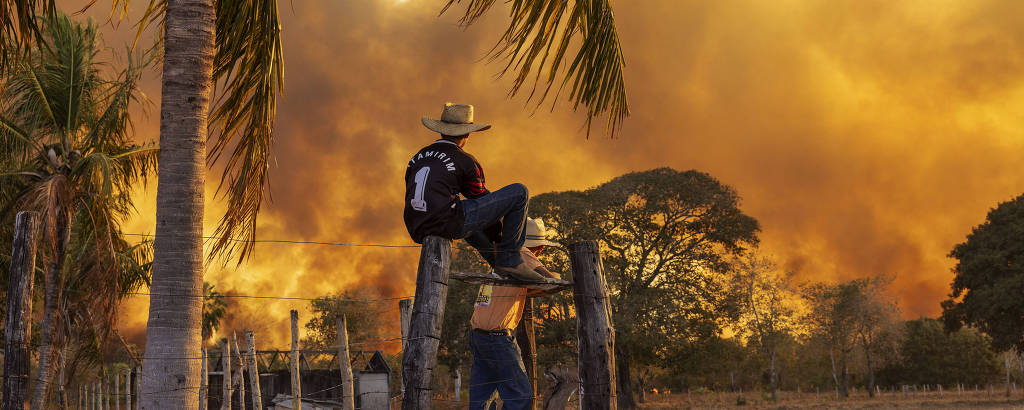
(928, 354)
(664, 237)
(362, 312)
(988, 278)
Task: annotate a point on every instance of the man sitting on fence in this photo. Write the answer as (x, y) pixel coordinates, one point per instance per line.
(497, 360)
(440, 172)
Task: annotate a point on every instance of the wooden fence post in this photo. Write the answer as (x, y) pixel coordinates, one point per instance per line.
(254, 371)
(425, 324)
(593, 328)
(128, 389)
(240, 380)
(117, 390)
(225, 367)
(405, 315)
(347, 387)
(204, 380)
(526, 338)
(104, 394)
(99, 397)
(458, 385)
(138, 387)
(296, 380)
(18, 324)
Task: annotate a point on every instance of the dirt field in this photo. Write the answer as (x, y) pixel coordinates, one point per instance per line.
(789, 400)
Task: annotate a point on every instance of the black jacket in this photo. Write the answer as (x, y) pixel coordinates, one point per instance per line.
(434, 179)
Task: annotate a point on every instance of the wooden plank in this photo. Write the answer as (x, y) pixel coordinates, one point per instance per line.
(254, 373)
(490, 278)
(18, 324)
(347, 386)
(296, 380)
(593, 328)
(425, 325)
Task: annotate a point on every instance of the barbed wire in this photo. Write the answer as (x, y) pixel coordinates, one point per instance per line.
(294, 242)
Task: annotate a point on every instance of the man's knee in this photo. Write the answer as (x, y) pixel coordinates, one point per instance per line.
(520, 190)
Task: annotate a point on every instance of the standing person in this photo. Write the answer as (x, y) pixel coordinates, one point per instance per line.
(491, 222)
(497, 360)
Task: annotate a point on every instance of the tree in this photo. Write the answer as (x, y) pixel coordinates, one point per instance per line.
(664, 236)
(877, 317)
(770, 307)
(238, 43)
(988, 278)
(928, 354)
(362, 311)
(214, 308)
(834, 318)
(66, 152)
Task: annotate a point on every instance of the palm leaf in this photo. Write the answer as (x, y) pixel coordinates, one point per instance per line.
(19, 26)
(537, 40)
(13, 141)
(249, 66)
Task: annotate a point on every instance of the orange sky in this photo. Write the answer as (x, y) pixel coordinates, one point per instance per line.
(866, 136)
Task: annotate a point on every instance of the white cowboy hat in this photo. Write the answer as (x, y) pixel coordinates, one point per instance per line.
(536, 234)
(456, 119)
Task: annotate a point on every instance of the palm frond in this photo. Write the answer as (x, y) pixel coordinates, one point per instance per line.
(249, 66)
(113, 126)
(14, 141)
(19, 25)
(537, 40)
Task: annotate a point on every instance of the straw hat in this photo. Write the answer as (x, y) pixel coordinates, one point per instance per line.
(536, 234)
(456, 119)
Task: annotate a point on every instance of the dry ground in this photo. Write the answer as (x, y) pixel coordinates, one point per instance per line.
(789, 400)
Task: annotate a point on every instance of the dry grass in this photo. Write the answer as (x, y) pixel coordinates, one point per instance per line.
(793, 400)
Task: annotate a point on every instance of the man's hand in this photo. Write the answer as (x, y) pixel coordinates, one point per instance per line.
(493, 232)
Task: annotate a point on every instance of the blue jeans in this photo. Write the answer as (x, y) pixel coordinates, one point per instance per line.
(498, 365)
(509, 205)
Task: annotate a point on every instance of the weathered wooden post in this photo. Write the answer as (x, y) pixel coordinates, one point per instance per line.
(458, 385)
(405, 315)
(347, 387)
(117, 390)
(425, 324)
(593, 328)
(128, 389)
(99, 397)
(138, 387)
(296, 380)
(18, 324)
(225, 366)
(204, 380)
(254, 371)
(526, 338)
(104, 394)
(240, 380)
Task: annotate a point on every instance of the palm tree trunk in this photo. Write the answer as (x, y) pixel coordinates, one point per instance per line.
(54, 280)
(175, 309)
